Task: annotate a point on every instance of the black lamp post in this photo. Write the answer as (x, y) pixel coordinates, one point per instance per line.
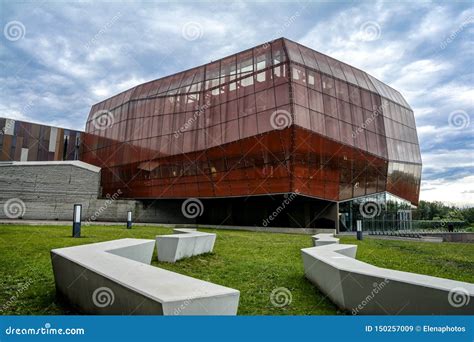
(359, 230)
(129, 220)
(76, 221)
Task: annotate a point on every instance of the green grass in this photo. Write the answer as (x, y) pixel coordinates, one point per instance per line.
(254, 263)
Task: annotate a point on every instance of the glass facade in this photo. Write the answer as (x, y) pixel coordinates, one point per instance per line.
(380, 212)
(210, 131)
(26, 141)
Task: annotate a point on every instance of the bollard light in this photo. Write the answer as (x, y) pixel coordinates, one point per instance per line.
(129, 220)
(359, 230)
(76, 221)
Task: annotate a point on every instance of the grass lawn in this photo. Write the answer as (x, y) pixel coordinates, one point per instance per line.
(254, 263)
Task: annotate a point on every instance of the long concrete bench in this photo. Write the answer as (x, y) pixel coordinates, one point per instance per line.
(324, 239)
(184, 243)
(115, 278)
(366, 289)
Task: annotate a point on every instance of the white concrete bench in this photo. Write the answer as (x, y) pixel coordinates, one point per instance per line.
(184, 243)
(115, 278)
(324, 239)
(366, 289)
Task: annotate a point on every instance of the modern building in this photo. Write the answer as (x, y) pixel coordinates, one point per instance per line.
(278, 126)
(26, 141)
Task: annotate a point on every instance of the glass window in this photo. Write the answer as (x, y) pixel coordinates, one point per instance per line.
(357, 116)
(212, 75)
(230, 131)
(354, 95)
(228, 69)
(280, 74)
(322, 63)
(382, 146)
(366, 99)
(336, 68)
(265, 100)
(282, 94)
(346, 133)
(263, 58)
(360, 78)
(245, 63)
(359, 137)
(372, 142)
(317, 122)
(330, 106)
(328, 85)
(315, 100)
(298, 74)
(332, 128)
(264, 121)
(245, 86)
(370, 85)
(344, 111)
(348, 73)
(247, 105)
(302, 117)
(293, 52)
(300, 95)
(248, 126)
(263, 80)
(314, 80)
(278, 52)
(342, 91)
(308, 58)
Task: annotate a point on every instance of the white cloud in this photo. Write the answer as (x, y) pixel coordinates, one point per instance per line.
(456, 192)
(444, 160)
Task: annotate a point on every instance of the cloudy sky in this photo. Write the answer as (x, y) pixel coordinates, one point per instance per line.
(57, 60)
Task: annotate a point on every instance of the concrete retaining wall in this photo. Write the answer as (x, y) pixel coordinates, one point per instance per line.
(49, 190)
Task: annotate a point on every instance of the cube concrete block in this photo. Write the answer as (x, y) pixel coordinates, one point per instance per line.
(184, 243)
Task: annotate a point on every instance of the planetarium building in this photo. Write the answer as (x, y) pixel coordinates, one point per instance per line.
(278, 135)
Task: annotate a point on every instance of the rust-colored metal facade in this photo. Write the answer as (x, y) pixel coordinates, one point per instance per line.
(26, 141)
(273, 119)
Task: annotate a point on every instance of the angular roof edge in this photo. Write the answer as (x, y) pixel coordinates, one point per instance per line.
(374, 84)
